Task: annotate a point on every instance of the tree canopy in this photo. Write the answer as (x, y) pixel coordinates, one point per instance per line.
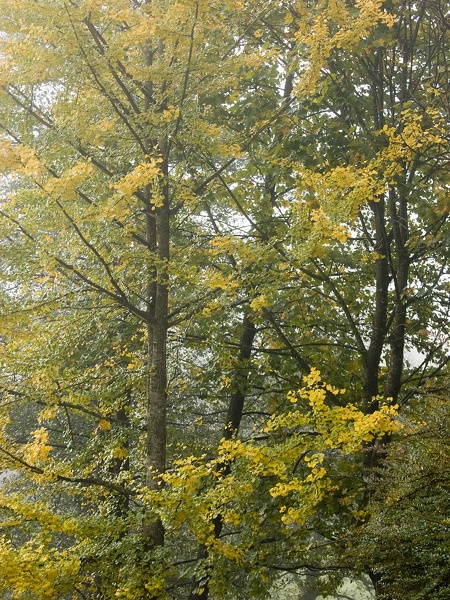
(224, 274)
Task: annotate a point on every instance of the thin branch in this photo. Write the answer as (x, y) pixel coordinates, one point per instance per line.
(85, 481)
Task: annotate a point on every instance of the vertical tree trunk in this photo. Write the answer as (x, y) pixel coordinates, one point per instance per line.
(158, 237)
(399, 218)
(158, 301)
(232, 424)
(239, 385)
(372, 358)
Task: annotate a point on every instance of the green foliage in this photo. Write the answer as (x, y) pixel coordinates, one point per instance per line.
(205, 205)
(406, 540)
(278, 490)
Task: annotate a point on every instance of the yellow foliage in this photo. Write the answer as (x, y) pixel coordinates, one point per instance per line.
(120, 452)
(259, 302)
(112, 87)
(37, 450)
(104, 424)
(142, 175)
(31, 571)
(65, 186)
(337, 26)
(197, 489)
(214, 279)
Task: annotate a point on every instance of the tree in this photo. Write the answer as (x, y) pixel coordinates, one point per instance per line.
(181, 178)
(406, 539)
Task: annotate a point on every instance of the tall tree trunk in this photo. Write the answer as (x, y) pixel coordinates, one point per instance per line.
(239, 384)
(158, 301)
(372, 357)
(158, 237)
(399, 218)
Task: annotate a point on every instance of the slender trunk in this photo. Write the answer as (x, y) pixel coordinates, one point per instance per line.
(236, 403)
(158, 236)
(232, 424)
(372, 357)
(397, 337)
(158, 301)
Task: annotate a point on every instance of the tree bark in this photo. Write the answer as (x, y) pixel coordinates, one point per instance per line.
(372, 357)
(158, 302)
(232, 424)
